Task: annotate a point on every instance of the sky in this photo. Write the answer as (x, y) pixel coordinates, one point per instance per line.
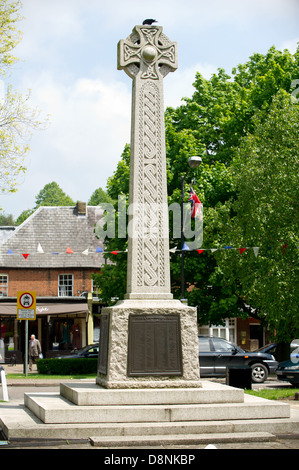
(68, 59)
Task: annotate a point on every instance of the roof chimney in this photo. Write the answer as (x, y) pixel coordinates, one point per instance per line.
(81, 208)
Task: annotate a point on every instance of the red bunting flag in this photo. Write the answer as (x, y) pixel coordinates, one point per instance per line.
(69, 250)
(114, 252)
(241, 250)
(25, 256)
(199, 251)
(284, 247)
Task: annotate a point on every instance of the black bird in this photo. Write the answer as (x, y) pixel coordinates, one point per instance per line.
(149, 21)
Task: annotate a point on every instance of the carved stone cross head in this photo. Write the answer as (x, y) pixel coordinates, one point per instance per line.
(147, 53)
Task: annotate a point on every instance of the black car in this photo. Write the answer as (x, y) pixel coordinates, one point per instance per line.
(288, 371)
(270, 348)
(216, 354)
(92, 350)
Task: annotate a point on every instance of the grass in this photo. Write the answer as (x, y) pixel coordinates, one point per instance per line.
(49, 377)
(277, 394)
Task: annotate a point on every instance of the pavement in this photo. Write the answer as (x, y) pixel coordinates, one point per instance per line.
(18, 386)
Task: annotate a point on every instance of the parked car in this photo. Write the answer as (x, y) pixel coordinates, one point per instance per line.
(268, 348)
(216, 354)
(92, 350)
(288, 371)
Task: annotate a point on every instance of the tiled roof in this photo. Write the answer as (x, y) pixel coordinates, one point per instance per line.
(47, 234)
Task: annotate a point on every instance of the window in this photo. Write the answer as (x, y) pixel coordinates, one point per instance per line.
(220, 345)
(227, 332)
(65, 285)
(3, 285)
(203, 344)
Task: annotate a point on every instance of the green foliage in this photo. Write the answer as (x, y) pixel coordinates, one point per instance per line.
(265, 174)
(17, 118)
(76, 366)
(119, 182)
(223, 123)
(99, 196)
(6, 219)
(9, 35)
(52, 195)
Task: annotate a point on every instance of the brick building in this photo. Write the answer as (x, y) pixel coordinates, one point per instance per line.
(54, 252)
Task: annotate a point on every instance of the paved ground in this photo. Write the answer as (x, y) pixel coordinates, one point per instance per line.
(17, 388)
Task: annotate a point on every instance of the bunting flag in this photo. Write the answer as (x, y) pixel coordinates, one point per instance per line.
(185, 247)
(256, 250)
(39, 249)
(195, 204)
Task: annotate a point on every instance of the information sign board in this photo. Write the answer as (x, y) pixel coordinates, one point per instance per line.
(26, 305)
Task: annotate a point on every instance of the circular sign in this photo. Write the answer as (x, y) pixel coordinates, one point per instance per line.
(26, 300)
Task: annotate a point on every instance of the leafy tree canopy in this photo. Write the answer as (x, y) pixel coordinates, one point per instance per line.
(224, 116)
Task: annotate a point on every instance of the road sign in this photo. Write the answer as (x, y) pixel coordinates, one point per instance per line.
(26, 305)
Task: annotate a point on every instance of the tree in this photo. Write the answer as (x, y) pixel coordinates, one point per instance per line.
(9, 35)
(6, 219)
(50, 195)
(17, 118)
(99, 196)
(265, 174)
(219, 116)
(222, 108)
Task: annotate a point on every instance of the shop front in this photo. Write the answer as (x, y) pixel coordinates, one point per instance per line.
(60, 325)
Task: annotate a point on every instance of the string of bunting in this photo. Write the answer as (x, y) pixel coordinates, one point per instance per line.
(115, 252)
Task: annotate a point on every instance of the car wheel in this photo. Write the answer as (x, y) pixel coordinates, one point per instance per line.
(259, 373)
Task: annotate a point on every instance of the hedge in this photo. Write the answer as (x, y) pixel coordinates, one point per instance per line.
(74, 366)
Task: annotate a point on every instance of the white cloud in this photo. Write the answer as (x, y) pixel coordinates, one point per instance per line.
(291, 45)
(69, 53)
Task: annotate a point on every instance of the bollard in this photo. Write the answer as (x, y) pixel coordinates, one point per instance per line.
(4, 385)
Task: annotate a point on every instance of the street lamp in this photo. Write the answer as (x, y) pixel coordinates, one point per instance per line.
(193, 163)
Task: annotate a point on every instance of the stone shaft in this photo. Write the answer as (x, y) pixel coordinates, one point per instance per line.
(147, 56)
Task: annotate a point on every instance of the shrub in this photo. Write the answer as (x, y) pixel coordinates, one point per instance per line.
(54, 366)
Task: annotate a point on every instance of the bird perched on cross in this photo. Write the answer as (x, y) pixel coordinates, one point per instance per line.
(149, 21)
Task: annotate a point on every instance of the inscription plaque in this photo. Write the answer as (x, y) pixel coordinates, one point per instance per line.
(154, 345)
(104, 341)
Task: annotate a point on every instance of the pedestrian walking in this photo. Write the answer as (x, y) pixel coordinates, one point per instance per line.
(34, 350)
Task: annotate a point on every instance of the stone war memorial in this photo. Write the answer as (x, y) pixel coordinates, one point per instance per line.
(149, 339)
(148, 390)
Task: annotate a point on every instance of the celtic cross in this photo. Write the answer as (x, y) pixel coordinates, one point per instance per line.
(147, 56)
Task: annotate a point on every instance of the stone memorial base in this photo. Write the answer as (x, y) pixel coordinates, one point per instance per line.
(148, 344)
(147, 417)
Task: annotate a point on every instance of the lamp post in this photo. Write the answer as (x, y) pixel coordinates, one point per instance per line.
(193, 163)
